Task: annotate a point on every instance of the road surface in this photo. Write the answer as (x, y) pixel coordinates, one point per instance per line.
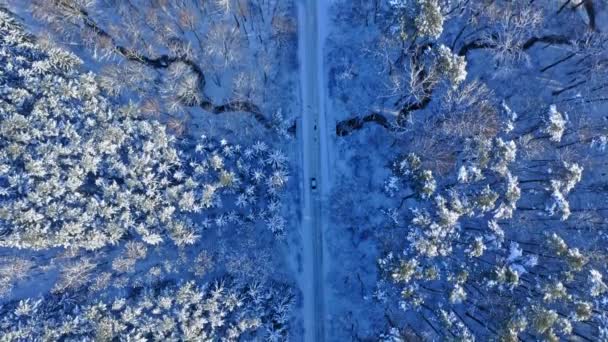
(313, 138)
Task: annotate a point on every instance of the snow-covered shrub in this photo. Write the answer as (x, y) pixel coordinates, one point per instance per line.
(458, 295)
(574, 174)
(560, 188)
(506, 152)
(558, 244)
(555, 124)
(555, 291)
(469, 173)
(496, 233)
(452, 66)
(409, 164)
(576, 260)
(409, 169)
(544, 320)
(486, 199)
(507, 276)
(405, 271)
(427, 184)
(598, 286)
(477, 248)
(584, 311)
(512, 195)
(514, 327)
(511, 116)
(559, 201)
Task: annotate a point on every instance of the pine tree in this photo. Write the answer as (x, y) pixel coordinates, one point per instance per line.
(429, 22)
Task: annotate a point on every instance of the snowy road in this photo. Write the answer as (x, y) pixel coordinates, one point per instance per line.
(313, 141)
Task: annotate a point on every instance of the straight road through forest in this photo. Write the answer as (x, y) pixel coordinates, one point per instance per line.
(313, 143)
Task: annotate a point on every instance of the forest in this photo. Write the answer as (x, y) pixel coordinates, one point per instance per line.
(303, 170)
